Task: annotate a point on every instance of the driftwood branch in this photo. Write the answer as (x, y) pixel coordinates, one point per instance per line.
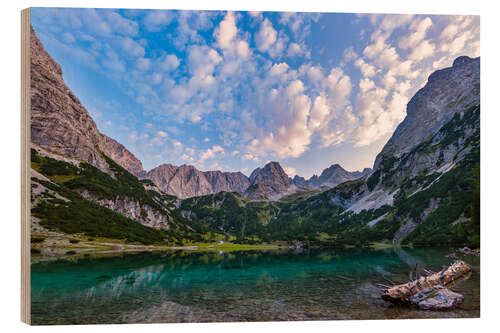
(447, 277)
(388, 280)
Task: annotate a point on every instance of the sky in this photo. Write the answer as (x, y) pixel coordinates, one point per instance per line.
(233, 90)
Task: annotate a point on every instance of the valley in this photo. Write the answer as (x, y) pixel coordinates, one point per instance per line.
(423, 189)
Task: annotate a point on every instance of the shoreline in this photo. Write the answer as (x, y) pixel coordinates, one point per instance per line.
(49, 245)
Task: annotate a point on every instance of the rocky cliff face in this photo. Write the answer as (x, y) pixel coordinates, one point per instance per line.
(447, 91)
(269, 182)
(186, 181)
(118, 153)
(143, 214)
(227, 181)
(427, 164)
(60, 123)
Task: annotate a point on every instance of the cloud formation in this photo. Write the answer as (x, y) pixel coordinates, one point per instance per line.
(255, 84)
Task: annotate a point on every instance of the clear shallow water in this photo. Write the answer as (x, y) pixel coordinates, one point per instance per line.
(242, 286)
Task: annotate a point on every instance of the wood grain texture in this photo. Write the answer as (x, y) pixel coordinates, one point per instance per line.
(25, 167)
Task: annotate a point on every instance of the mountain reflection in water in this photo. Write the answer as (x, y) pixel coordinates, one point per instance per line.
(241, 286)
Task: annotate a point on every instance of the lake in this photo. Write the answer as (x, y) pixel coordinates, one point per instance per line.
(237, 286)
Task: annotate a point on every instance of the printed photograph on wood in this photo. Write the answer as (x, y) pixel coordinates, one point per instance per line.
(215, 166)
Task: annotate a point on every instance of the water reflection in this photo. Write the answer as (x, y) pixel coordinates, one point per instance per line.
(273, 285)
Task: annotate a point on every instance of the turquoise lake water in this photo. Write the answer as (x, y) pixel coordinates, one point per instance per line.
(242, 286)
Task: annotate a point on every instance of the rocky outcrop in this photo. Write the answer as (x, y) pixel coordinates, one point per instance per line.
(118, 153)
(447, 92)
(61, 124)
(186, 181)
(270, 182)
(436, 298)
(300, 181)
(132, 209)
(227, 181)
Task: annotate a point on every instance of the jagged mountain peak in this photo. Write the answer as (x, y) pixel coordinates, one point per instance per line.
(187, 181)
(330, 177)
(271, 172)
(270, 181)
(462, 60)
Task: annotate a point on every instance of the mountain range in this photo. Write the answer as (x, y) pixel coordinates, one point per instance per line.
(61, 124)
(421, 189)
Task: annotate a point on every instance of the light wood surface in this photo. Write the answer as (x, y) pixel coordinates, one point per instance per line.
(25, 167)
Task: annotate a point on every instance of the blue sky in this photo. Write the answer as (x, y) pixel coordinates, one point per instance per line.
(233, 90)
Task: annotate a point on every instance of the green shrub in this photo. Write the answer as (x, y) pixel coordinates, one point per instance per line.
(37, 239)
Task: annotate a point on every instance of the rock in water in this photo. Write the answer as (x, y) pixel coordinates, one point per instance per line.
(436, 298)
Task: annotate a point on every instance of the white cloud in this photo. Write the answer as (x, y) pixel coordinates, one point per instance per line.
(419, 31)
(266, 36)
(226, 31)
(289, 107)
(297, 49)
(368, 70)
(130, 46)
(248, 156)
(68, 38)
(157, 19)
(291, 172)
(366, 84)
(113, 62)
(143, 64)
(120, 24)
(349, 55)
(422, 51)
(211, 153)
(177, 145)
(170, 62)
(162, 134)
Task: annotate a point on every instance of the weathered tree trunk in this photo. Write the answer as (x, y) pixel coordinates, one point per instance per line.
(447, 277)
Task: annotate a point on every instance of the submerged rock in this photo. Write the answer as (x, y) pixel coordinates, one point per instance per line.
(452, 255)
(436, 298)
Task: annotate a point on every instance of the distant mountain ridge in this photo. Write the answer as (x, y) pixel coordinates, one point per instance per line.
(186, 181)
(330, 177)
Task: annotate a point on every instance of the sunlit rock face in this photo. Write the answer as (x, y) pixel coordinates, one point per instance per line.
(447, 92)
(186, 181)
(270, 182)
